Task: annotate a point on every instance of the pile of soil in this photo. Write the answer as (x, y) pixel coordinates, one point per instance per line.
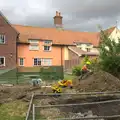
(99, 81)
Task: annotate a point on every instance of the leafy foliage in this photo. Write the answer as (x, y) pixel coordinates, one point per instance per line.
(109, 54)
(77, 69)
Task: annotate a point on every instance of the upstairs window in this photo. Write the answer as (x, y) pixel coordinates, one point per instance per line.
(47, 42)
(47, 48)
(2, 39)
(34, 45)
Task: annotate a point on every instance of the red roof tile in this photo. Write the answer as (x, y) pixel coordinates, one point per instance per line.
(64, 37)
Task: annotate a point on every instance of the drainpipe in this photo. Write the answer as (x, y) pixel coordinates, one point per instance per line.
(61, 57)
(17, 58)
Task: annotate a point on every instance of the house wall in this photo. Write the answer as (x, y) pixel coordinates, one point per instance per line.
(115, 34)
(66, 53)
(55, 54)
(8, 50)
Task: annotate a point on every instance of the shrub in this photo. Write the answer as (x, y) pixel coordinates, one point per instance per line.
(109, 54)
(76, 70)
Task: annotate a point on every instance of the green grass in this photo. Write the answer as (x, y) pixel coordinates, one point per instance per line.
(66, 76)
(13, 111)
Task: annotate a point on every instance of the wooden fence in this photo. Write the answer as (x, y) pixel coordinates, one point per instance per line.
(69, 64)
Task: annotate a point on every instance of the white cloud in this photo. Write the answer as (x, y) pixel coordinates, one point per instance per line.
(81, 15)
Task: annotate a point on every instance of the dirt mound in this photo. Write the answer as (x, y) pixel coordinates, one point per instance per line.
(99, 81)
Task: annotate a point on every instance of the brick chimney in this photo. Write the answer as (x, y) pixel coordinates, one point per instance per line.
(58, 19)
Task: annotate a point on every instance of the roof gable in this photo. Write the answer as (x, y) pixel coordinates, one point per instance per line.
(110, 30)
(8, 22)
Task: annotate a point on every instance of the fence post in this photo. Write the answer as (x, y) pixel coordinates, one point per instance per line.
(33, 112)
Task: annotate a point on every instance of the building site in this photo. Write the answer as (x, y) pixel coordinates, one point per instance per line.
(54, 73)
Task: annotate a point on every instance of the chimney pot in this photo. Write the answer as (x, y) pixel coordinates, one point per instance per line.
(57, 13)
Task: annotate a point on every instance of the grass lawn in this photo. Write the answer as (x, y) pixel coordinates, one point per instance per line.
(13, 111)
(66, 76)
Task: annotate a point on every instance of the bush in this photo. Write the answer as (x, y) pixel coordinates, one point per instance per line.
(109, 54)
(76, 70)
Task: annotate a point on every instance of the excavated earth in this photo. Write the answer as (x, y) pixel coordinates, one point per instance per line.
(100, 81)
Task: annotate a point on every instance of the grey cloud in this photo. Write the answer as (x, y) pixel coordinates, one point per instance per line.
(80, 15)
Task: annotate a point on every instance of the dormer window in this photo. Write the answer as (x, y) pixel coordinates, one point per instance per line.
(88, 49)
(48, 42)
(34, 45)
(47, 45)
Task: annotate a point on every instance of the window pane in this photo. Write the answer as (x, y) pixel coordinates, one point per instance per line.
(21, 61)
(47, 48)
(33, 47)
(39, 61)
(2, 39)
(47, 42)
(33, 41)
(2, 61)
(35, 61)
(47, 62)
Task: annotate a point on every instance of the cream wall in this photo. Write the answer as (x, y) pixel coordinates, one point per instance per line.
(115, 34)
(66, 53)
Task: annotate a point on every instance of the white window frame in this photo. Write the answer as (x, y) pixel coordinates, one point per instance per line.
(44, 60)
(33, 41)
(19, 61)
(37, 61)
(46, 46)
(49, 42)
(2, 36)
(35, 47)
(4, 60)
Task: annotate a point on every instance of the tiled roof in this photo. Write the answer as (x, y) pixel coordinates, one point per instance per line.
(64, 37)
(80, 52)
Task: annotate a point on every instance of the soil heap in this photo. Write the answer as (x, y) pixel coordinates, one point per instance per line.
(99, 81)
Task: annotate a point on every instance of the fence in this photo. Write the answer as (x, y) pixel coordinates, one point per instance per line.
(74, 108)
(70, 111)
(69, 64)
(28, 116)
(22, 74)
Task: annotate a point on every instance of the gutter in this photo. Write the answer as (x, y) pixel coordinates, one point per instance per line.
(61, 57)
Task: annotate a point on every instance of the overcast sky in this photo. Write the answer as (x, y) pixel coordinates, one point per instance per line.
(80, 15)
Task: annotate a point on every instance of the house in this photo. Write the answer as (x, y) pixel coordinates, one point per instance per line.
(8, 38)
(113, 33)
(28, 46)
(49, 46)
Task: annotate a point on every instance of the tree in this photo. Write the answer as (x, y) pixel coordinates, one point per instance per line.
(109, 54)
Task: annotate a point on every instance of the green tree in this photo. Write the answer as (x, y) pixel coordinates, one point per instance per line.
(109, 54)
